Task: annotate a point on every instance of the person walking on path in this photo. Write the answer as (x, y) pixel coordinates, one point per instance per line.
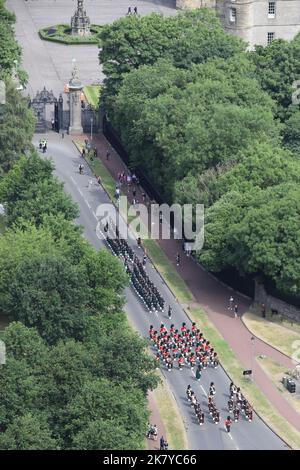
(228, 423)
(162, 443)
(107, 155)
(178, 259)
(170, 312)
(90, 184)
(231, 300)
(236, 311)
(135, 10)
(263, 310)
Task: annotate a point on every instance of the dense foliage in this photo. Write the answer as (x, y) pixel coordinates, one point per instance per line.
(187, 38)
(76, 375)
(216, 127)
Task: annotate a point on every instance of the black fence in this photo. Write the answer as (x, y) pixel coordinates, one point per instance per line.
(115, 141)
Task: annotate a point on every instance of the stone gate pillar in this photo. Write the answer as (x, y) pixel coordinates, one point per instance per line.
(75, 90)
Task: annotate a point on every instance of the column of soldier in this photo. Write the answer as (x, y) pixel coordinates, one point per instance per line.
(189, 347)
(144, 288)
(186, 346)
(237, 404)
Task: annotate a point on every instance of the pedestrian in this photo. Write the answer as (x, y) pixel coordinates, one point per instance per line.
(231, 300)
(107, 155)
(139, 242)
(235, 311)
(135, 10)
(178, 259)
(90, 184)
(263, 310)
(228, 423)
(99, 180)
(83, 153)
(162, 443)
(133, 193)
(40, 144)
(212, 389)
(144, 260)
(198, 373)
(80, 168)
(52, 124)
(170, 312)
(117, 193)
(129, 11)
(95, 153)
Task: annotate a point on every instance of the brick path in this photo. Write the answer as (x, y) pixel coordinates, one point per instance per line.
(213, 297)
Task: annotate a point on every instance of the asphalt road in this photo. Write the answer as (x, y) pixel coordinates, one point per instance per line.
(244, 435)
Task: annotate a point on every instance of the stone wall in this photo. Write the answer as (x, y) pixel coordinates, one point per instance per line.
(185, 4)
(283, 308)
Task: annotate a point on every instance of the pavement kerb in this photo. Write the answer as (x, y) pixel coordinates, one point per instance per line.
(188, 316)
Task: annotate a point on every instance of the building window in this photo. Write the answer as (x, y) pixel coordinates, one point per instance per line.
(232, 15)
(272, 10)
(270, 38)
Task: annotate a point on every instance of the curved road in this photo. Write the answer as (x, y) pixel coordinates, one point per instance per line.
(244, 435)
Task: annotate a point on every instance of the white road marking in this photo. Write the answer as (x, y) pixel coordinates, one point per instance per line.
(237, 448)
(87, 203)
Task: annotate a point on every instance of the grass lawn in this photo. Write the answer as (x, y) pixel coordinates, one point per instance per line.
(61, 33)
(92, 93)
(279, 335)
(275, 372)
(228, 358)
(171, 417)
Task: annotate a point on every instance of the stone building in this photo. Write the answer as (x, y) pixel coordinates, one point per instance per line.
(256, 21)
(80, 22)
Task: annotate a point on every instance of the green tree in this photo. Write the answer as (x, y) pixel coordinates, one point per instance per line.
(102, 336)
(256, 232)
(291, 134)
(277, 67)
(194, 122)
(16, 128)
(27, 432)
(261, 164)
(31, 192)
(113, 406)
(186, 38)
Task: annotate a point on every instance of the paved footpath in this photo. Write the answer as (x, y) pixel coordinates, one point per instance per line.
(50, 64)
(213, 297)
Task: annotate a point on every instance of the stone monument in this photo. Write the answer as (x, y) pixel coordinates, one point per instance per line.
(75, 90)
(80, 22)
